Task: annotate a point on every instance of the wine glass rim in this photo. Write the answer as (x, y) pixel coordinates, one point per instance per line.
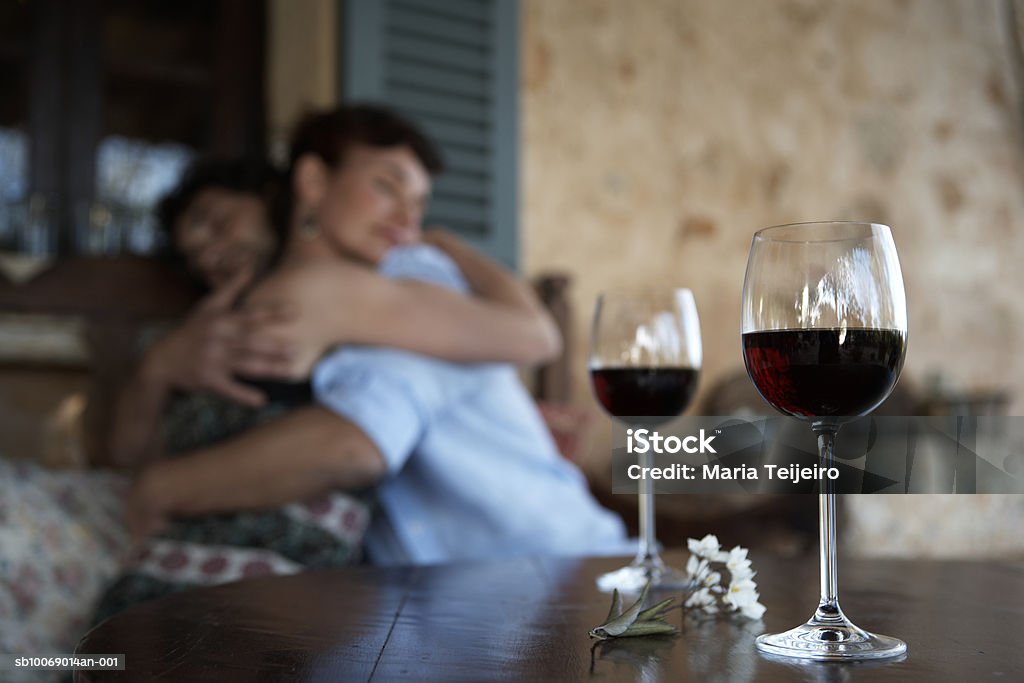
(646, 293)
(775, 233)
(643, 289)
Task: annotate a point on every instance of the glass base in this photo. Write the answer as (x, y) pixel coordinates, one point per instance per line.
(838, 640)
(632, 578)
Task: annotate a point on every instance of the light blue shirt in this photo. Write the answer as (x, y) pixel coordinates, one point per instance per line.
(473, 471)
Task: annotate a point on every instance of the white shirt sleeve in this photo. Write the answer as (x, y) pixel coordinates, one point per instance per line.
(392, 396)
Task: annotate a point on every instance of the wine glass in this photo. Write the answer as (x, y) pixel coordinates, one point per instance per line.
(645, 356)
(824, 337)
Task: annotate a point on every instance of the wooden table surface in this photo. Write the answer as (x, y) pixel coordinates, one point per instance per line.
(527, 620)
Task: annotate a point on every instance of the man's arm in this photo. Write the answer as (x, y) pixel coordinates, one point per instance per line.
(381, 403)
(303, 454)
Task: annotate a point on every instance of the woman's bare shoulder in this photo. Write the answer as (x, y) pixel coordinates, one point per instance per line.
(311, 279)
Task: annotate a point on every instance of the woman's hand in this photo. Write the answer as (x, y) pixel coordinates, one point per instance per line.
(444, 239)
(217, 343)
(536, 335)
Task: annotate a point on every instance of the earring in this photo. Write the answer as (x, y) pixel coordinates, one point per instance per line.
(309, 227)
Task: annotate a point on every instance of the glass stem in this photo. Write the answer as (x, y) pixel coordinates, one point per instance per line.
(648, 551)
(828, 608)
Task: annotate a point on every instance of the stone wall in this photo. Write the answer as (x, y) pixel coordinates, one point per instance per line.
(658, 136)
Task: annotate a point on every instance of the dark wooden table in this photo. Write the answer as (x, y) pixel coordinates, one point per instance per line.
(527, 620)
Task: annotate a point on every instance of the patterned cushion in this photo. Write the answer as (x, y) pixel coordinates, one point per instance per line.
(62, 539)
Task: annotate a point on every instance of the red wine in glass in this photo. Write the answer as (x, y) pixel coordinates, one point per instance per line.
(824, 372)
(649, 392)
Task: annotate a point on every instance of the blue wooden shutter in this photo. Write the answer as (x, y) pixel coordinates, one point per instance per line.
(452, 67)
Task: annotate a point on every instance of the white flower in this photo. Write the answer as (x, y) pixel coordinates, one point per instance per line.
(736, 556)
(696, 568)
(707, 547)
(754, 610)
(703, 600)
(738, 564)
(740, 574)
(742, 593)
(709, 595)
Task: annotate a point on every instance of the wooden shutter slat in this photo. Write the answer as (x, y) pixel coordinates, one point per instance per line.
(461, 185)
(427, 76)
(434, 27)
(402, 46)
(446, 107)
(464, 10)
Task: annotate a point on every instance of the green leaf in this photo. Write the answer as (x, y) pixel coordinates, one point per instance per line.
(655, 612)
(652, 627)
(616, 608)
(634, 621)
(620, 623)
(649, 628)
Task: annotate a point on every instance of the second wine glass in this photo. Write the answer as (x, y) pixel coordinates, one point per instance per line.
(824, 338)
(645, 358)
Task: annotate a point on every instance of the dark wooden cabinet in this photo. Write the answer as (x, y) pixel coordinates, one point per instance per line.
(89, 88)
(99, 99)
